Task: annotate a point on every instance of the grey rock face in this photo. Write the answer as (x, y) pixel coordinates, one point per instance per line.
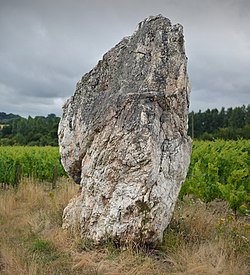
(123, 136)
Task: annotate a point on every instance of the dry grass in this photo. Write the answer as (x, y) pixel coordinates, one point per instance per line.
(205, 239)
(201, 239)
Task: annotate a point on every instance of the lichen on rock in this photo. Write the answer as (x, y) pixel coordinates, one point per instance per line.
(123, 136)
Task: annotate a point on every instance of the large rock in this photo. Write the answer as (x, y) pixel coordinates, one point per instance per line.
(123, 137)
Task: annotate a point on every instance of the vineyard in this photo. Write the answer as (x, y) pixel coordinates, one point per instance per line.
(33, 162)
(218, 170)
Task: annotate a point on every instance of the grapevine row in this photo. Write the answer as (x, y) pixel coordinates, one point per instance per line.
(220, 170)
(34, 162)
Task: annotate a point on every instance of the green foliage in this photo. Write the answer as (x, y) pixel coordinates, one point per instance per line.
(235, 193)
(6, 118)
(38, 131)
(233, 123)
(220, 169)
(35, 162)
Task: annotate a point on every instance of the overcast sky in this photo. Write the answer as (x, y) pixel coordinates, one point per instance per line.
(46, 46)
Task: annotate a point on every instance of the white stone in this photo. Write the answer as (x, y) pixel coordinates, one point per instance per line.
(123, 137)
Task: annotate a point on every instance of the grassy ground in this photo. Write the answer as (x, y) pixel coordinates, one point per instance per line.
(201, 239)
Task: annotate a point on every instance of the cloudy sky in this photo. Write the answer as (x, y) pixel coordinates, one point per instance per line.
(46, 46)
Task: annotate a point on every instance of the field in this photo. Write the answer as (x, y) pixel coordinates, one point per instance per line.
(201, 239)
(32, 162)
(220, 170)
(205, 235)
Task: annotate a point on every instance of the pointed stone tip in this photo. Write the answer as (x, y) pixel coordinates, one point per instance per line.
(153, 18)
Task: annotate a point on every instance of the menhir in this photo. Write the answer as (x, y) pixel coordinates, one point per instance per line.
(123, 137)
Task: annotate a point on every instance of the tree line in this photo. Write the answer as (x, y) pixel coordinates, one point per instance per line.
(228, 124)
(37, 131)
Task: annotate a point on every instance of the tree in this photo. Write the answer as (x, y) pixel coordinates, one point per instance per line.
(237, 118)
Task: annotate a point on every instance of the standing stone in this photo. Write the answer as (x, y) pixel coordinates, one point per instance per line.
(123, 137)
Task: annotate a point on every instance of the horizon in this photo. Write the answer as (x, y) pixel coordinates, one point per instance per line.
(196, 112)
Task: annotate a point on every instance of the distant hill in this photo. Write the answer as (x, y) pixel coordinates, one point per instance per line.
(6, 118)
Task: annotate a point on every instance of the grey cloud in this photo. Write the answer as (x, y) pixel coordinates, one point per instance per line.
(46, 46)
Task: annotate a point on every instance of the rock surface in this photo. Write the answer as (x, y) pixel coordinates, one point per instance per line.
(123, 137)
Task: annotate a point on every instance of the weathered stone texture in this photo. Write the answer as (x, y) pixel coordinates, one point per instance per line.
(123, 136)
